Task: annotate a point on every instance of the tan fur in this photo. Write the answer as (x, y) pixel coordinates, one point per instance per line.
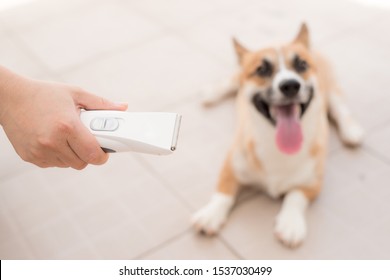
(227, 183)
(311, 191)
(250, 61)
(254, 157)
(326, 85)
(303, 36)
(240, 50)
(318, 152)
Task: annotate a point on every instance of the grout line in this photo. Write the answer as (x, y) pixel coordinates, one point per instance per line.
(103, 55)
(16, 172)
(162, 244)
(14, 34)
(177, 32)
(341, 221)
(20, 232)
(12, 174)
(374, 153)
(19, 228)
(192, 98)
(379, 125)
(349, 30)
(369, 130)
(80, 8)
(58, 73)
(121, 49)
(230, 248)
(167, 186)
(67, 215)
(248, 198)
(204, 50)
(171, 27)
(43, 68)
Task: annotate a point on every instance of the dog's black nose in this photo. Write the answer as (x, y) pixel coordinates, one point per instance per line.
(289, 88)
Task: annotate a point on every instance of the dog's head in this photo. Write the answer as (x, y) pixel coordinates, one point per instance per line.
(279, 83)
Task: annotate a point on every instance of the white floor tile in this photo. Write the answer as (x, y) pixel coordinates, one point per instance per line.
(161, 72)
(53, 239)
(378, 140)
(249, 231)
(16, 248)
(8, 227)
(21, 190)
(179, 13)
(11, 164)
(266, 23)
(192, 246)
(84, 251)
(39, 12)
(16, 58)
(74, 38)
(361, 72)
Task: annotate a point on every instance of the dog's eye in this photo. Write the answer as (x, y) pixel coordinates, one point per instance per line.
(300, 65)
(265, 69)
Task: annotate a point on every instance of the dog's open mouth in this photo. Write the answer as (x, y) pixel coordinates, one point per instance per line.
(286, 119)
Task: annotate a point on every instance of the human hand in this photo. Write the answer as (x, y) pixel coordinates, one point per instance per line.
(41, 120)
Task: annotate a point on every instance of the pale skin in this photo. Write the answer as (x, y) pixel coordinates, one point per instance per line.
(41, 120)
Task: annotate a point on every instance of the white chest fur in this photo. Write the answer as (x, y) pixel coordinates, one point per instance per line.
(278, 172)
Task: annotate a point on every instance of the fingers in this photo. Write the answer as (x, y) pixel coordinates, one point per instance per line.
(63, 157)
(85, 145)
(82, 143)
(90, 101)
(71, 159)
(49, 132)
(77, 147)
(58, 154)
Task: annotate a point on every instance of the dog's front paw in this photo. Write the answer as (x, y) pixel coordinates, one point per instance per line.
(352, 134)
(290, 228)
(210, 218)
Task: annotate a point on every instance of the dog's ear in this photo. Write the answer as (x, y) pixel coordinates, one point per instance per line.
(240, 50)
(303, 36)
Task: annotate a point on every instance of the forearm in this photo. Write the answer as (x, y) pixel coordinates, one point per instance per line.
(11, 86)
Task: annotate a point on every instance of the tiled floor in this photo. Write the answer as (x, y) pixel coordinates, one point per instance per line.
(157, 55)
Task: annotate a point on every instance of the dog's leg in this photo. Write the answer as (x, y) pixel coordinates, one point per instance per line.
(213, 94)
(290, 227)
(350, 131)
(211, 217)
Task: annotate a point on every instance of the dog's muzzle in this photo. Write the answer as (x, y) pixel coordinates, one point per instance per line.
(290, 90)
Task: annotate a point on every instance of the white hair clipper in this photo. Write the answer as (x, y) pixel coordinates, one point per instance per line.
(118, 131)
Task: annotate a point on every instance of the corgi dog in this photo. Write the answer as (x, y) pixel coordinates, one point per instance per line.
(284, 96)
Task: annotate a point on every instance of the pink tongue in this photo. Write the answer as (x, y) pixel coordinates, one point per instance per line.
(288, 129)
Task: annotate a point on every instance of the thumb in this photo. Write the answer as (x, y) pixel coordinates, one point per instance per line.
(89, 101)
